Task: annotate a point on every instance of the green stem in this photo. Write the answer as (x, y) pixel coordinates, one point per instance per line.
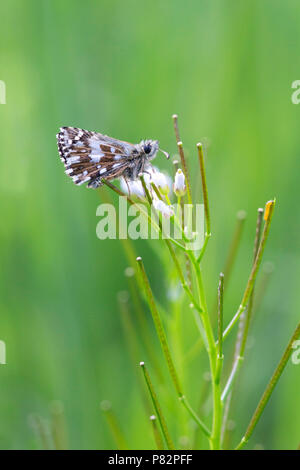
(215, 440)
(248, 314)
(187, 406)
(185, 170)
(182, 158)
(220, 314)
(220, 357)
(159, 327)
(58, 426)
(181, 277)
(203, 313)
(244, 319)
(269, 389)
(234, 246)
(204, 187)
(113, 425)
(149, 199)
(162, 338)
(184, 284)
(157, 407)
(249, 287)
(142, 320)
(206, 239)
(157, 436)
(215, 437)
(233, 249)
(42, 431)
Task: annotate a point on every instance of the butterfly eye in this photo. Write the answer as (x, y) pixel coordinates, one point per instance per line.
(147, 148)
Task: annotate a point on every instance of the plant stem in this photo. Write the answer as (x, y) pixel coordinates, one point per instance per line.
(220, 356)
(181, 276)
(159, 327)
(269, 389)
(248, 314)
(244, 319)
(215, 437)
(233, 249)
(215, 440)
(182, 158)
(242, 335)
(235, 243)
(149, 199)
(114, 426)
(204, 188)
(249, 287)
(176, 129)
(58, 426)
(157, 407)
(157, 436)
(143, 324)
(164, 344)
(42, 431)
(187, 406)
(184, 284)
(206, 239)
(203, 306)
(220, 314)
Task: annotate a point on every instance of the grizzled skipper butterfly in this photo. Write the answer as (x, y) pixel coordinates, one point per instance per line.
(90, 157)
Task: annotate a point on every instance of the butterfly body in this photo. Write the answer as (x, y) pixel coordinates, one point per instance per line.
(89, 157)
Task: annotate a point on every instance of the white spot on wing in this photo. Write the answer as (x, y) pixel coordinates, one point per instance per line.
(84, 180)
(94, 147)
(72, 160)
(79, 135)
(96, 158)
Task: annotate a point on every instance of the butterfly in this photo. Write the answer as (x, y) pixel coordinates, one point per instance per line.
(91, 157)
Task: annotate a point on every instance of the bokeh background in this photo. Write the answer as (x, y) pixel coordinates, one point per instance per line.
(123, 68)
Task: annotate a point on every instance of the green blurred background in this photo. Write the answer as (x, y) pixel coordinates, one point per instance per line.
(123, 68)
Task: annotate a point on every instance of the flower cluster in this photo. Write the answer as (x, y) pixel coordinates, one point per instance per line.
(152, 176)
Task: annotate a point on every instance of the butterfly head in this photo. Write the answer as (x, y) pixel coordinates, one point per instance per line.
(150, 148)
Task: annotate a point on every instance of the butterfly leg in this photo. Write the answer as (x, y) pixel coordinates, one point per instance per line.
(143, 171)
(128, 187)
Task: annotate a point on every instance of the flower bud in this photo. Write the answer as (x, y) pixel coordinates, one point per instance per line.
(179, 184)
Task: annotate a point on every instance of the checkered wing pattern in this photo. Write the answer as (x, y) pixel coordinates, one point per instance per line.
(90, 157)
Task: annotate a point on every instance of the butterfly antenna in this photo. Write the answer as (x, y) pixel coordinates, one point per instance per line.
(165, 153)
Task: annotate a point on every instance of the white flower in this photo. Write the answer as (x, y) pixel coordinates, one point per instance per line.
(134, 188)
(159, 205)
(161, 181)
(179, 184)
(151, 174)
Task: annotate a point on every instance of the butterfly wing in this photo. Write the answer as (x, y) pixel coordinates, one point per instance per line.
(90, 156)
